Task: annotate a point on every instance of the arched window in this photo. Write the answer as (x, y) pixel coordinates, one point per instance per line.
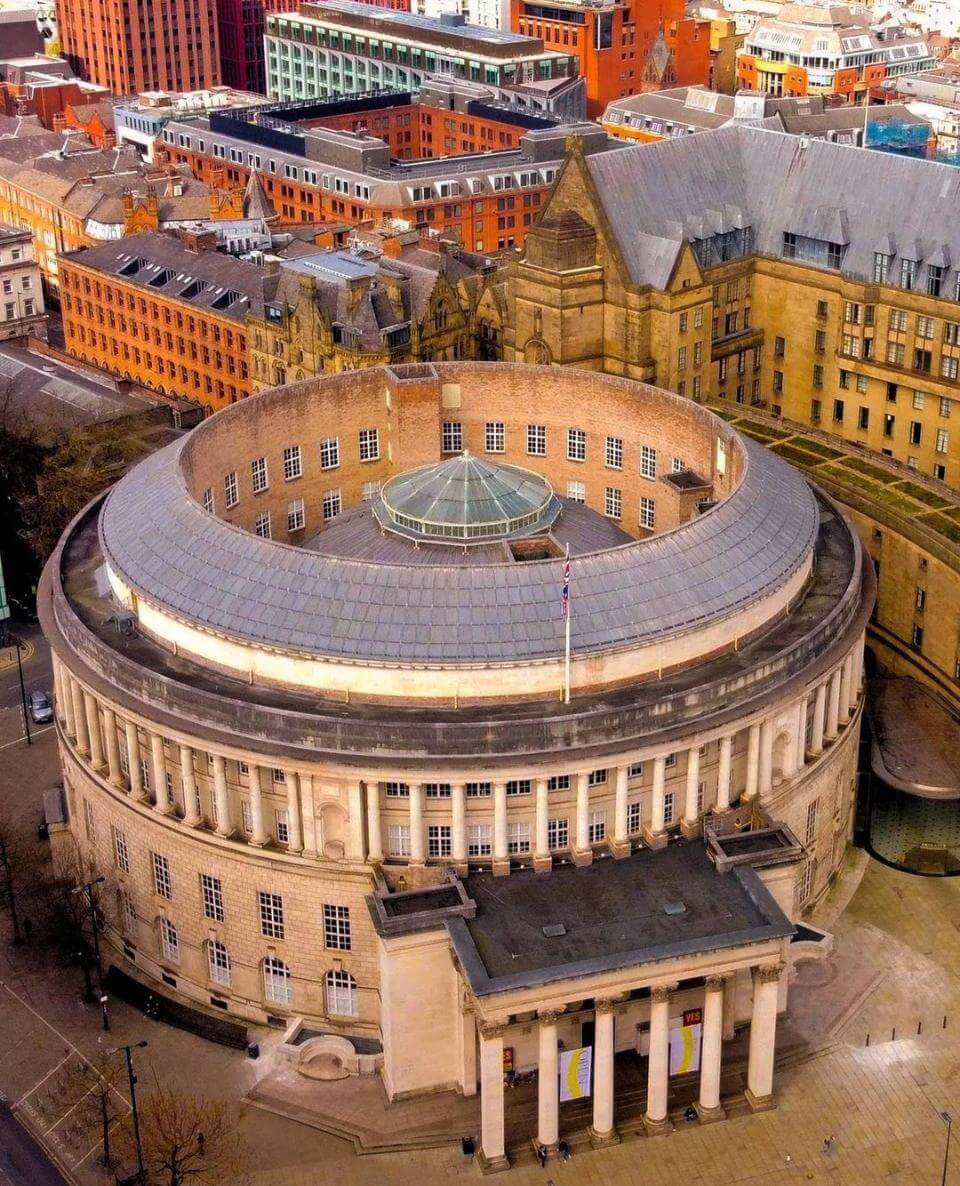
(440, 317)
(169, 941)
(277, 985)
(342, 994)
(218, 962)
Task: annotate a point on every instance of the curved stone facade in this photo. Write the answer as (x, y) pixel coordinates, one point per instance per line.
(246, 782)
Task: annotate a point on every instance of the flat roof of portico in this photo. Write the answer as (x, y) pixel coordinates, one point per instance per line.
(614, 914)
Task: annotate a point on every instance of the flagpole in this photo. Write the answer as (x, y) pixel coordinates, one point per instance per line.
(566, 659)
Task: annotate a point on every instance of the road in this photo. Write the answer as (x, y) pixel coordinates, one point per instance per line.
(37, 674)
(22, 1161)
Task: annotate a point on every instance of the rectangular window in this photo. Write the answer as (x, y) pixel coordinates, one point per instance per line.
(330, 453)
(331, 505)
(451, 436)
(898, 320)
(271, 914)
(295, 515)
(896, 352)
(943, 440)
(668, 802)
(218, 963)
(519, 786)
(917, 639)
(439, 840)
(613, 503)
(648, 461)
(336, 927)
(908, 273)
(944, 409)
(916, 432)
(436, 790)
(648, 513)
(230, 490)
(634, 820)
(169, 941)
(211, 892)
(128, 914)
(537, 440)
(949, 368)
(596, 778)
(838, 411)
(258, 469)
(479, 790)
(121, 854)
(494, 436)
(518, 838)
(924, 327)
(576, 444)
(161, 877)
(479, 840)
(811, 829)
(863, 419)
(262, 525)
(398, 840)
(281, 823)
(881, 267)
(277, 985)
(597, 827)
(292, 463)
(208, 500)
(396, 790)
(369, 444)
(614, 453)
(558, 835)
(558, 782)
(577, 491)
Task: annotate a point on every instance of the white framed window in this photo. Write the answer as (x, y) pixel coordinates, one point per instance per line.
(161, 877)
(648, 461)
(121, 854)
(211, 893)
(596, 778)
(597, 827)
(262, 525)
(145, 774)
(635, 770)
(701, 797)
(519, 786)
(246, 816)
(398, 840)
(634, 819)
(281, 823)
(342, 997)
(576, 444)
(943, 440)
(128, 913)
(331, 505)
(208, 500)
(919, 399)
(577, 491)
(648, 513)
(479, 840)
(336, 927)
(277, 983)
(677, 465)
(558, 834)
(436, 790)
(169, 941)
(451, 436)
(537, 440)
(218, 963)
(518, 838)
(296, 517)
(614, 453)
(668, 805)
(558, 782)
(330, 453)
(231, 492)
(271, 914)
(396, 790)
(124, 758)
(811, 827)
(670, 760)
(613, 502)
(805, 883)
(495, 440)
(258, 469)
(479, 790)
(292, 463)
(369, 491)
(439, 840)
(369, 444)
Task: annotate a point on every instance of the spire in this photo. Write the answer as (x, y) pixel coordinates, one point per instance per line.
(256, 204)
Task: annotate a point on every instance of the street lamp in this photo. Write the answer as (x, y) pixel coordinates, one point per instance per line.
(23, 695)
(128, 1051)
(948, 1121)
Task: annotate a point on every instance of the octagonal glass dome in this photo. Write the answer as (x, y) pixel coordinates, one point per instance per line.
(464, 500)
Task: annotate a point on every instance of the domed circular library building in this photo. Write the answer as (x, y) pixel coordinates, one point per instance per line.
(472, 718)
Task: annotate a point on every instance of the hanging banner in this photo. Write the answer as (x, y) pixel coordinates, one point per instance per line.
(576, 1068)
(685, 1049)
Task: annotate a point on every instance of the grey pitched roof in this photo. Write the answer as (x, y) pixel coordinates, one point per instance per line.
(781, 183)
(173, 553)
(256, 202)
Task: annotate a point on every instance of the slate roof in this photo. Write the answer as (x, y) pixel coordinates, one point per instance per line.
(175, 554)
(775, 183)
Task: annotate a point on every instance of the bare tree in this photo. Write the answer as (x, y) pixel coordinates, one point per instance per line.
(187, 1141)
(102, 1103)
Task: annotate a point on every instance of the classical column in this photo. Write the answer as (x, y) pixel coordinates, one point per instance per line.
(833, 706)
(548, 1083)
(354, 846)
(541, 849)
(492, 1155)
(658, 1064)
(417, 851)
(724, 769)
(94, 732)
(374, 831)
(259, 836)
(295, 832)
(158, 762)
(846, 682)
(819, 721)
(188, 777)
(221, 796)
(308, 817)
(690, 813)
(763, 1036)
(66, 704)
(753, 762)
(80, 718)
(458, 822)
(800, 754)
(654, 835)
(708, 1106)
(853, 694)
(602, 1131)
(582, 853)
(132, 735)
(621, 837)
(766, 758)
(501, 860)
(114, 773)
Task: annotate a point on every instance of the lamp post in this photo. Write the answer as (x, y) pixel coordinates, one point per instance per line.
(23, 695)
(128, 1051)
(948, 1121)
(87, 888)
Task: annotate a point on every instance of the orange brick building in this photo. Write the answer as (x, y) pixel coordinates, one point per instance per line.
(613, 42)
(130, 47)
(151, 309)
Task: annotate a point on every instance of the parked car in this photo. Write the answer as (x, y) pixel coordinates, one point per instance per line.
(41, 710)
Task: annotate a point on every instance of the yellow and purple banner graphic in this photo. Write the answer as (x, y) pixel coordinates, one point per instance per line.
(576, 1068)
(685, 1049)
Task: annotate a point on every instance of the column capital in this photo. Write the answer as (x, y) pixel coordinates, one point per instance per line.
(715, 983)
(604, 1005)
(491, 1029)
(660, 993)
(549, 1016)
(767, 973)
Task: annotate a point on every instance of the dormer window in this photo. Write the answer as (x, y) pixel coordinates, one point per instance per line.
(908, 273)
(881, 267)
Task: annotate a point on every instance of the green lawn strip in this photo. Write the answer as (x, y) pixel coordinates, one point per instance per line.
(892, 498)
(922, 494)
(871, 471)
(790, 452)
(816, 447)
(945, 526)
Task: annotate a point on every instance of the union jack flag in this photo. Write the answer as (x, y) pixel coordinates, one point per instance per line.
(565, 601)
